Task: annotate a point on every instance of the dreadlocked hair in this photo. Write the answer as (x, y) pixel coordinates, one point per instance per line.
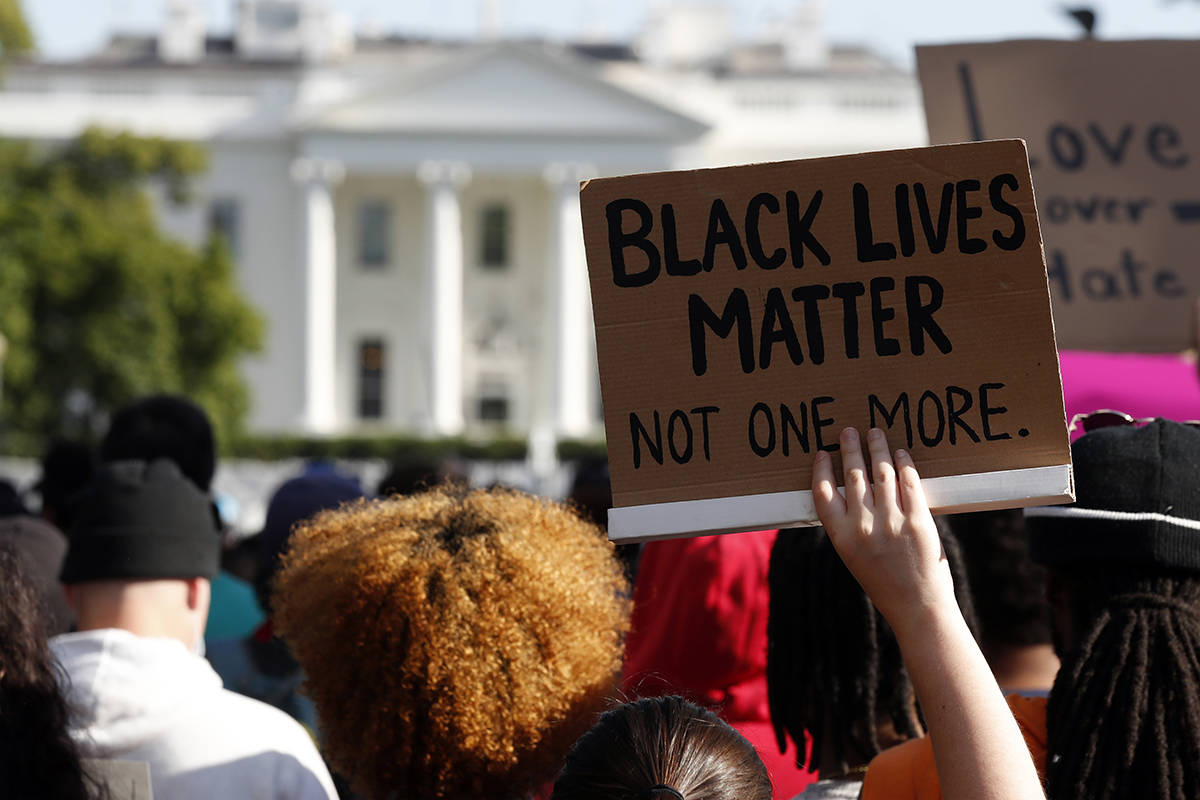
(1123, 718)
(834, 668)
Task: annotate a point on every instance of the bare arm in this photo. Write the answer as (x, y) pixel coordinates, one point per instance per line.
(886, 536)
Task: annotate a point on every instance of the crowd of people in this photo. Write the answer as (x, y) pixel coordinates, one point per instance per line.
(430, 640)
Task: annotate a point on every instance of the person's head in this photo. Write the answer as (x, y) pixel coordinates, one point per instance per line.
(164, 426)
(591, 496)
(142, 552)
(454, 643)
(41, 548)
(1124, 714)
(591, 490)
(66, 469)
(37, 757)
(410, 474)
(1008, 588)
(834, 669)
(11, 504)
(662, 748)
(297, 499)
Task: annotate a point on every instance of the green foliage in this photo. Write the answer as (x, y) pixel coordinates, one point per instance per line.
(99, 306)
(582, 449)
(399, 446)
(15, 38)
(266, 447)
(389, 447)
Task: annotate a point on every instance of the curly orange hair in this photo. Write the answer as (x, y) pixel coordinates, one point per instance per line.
(455, 644)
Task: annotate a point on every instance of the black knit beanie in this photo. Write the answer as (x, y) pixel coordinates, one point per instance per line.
(1137, 500)
(139, 520)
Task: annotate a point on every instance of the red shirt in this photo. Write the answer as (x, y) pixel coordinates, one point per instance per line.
(700, 630)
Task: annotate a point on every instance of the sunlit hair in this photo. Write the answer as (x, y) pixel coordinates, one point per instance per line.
(638, 749)
(455, 643)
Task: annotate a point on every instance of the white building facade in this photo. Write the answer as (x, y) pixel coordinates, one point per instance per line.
(404, 214)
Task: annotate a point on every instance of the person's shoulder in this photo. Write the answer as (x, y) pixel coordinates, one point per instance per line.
(831, 790)
(248, 711)
(904, 771)
(281, 739)
(902, 757)
(1030, 713)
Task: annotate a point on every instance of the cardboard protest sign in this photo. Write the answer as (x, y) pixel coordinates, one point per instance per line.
(745, 315)
(1112, 146)
(122, 780)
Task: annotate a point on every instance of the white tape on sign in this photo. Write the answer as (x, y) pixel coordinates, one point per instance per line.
(951, 494)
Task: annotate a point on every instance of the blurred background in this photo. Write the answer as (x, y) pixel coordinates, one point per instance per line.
(350, 229)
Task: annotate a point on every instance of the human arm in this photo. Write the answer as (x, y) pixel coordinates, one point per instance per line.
(887, 539)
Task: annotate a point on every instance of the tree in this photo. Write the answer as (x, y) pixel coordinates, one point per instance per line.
(15, 38)
(98, 305)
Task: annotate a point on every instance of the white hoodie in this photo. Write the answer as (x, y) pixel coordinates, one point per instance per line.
(141, 699)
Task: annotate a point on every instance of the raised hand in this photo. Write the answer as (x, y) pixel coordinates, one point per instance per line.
(887, 538)
(885, 533)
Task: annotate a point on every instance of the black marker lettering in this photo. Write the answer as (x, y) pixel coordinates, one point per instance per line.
(868, 249)
(920, 315)
(674, 265)
(967, 244)
(736, 314)
(800, 233)
(996, 195)
(722, 231)
(754, 235)
(619, 240)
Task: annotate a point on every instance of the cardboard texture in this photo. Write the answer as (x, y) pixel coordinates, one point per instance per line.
(1113, 149)
(745, 315)
(122, 780)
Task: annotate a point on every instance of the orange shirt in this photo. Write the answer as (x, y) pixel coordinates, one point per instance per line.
(907, 772)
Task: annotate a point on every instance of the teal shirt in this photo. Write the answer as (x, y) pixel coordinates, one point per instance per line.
(234, 610)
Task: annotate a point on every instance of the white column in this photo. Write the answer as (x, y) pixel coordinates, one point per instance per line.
(319, 254)
(573, 334)
(444, 281)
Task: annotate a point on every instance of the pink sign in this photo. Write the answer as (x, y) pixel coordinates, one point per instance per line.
(1141, 385)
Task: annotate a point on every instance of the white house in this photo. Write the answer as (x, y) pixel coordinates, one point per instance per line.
(404, 212)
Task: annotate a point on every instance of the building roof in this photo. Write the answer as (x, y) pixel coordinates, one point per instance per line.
(505, 88)
(140, 51)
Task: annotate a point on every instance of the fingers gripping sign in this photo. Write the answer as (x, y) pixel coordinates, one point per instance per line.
(886, 537)
(883, 531)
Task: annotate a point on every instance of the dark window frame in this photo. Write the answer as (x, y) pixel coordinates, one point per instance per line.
(494, 403)
(225, 221)
(372, 375)
(374, 219)
(495, 235)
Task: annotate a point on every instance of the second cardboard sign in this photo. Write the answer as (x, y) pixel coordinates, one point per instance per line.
(745, 315)
(1112, 145)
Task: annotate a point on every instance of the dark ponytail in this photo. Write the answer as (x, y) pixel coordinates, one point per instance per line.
(662, 748)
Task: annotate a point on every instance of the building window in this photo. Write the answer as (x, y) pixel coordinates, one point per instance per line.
(370, 378)
(494, 406)
(374, 233)
(494, 236)
(224, 221)
(277, 17)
